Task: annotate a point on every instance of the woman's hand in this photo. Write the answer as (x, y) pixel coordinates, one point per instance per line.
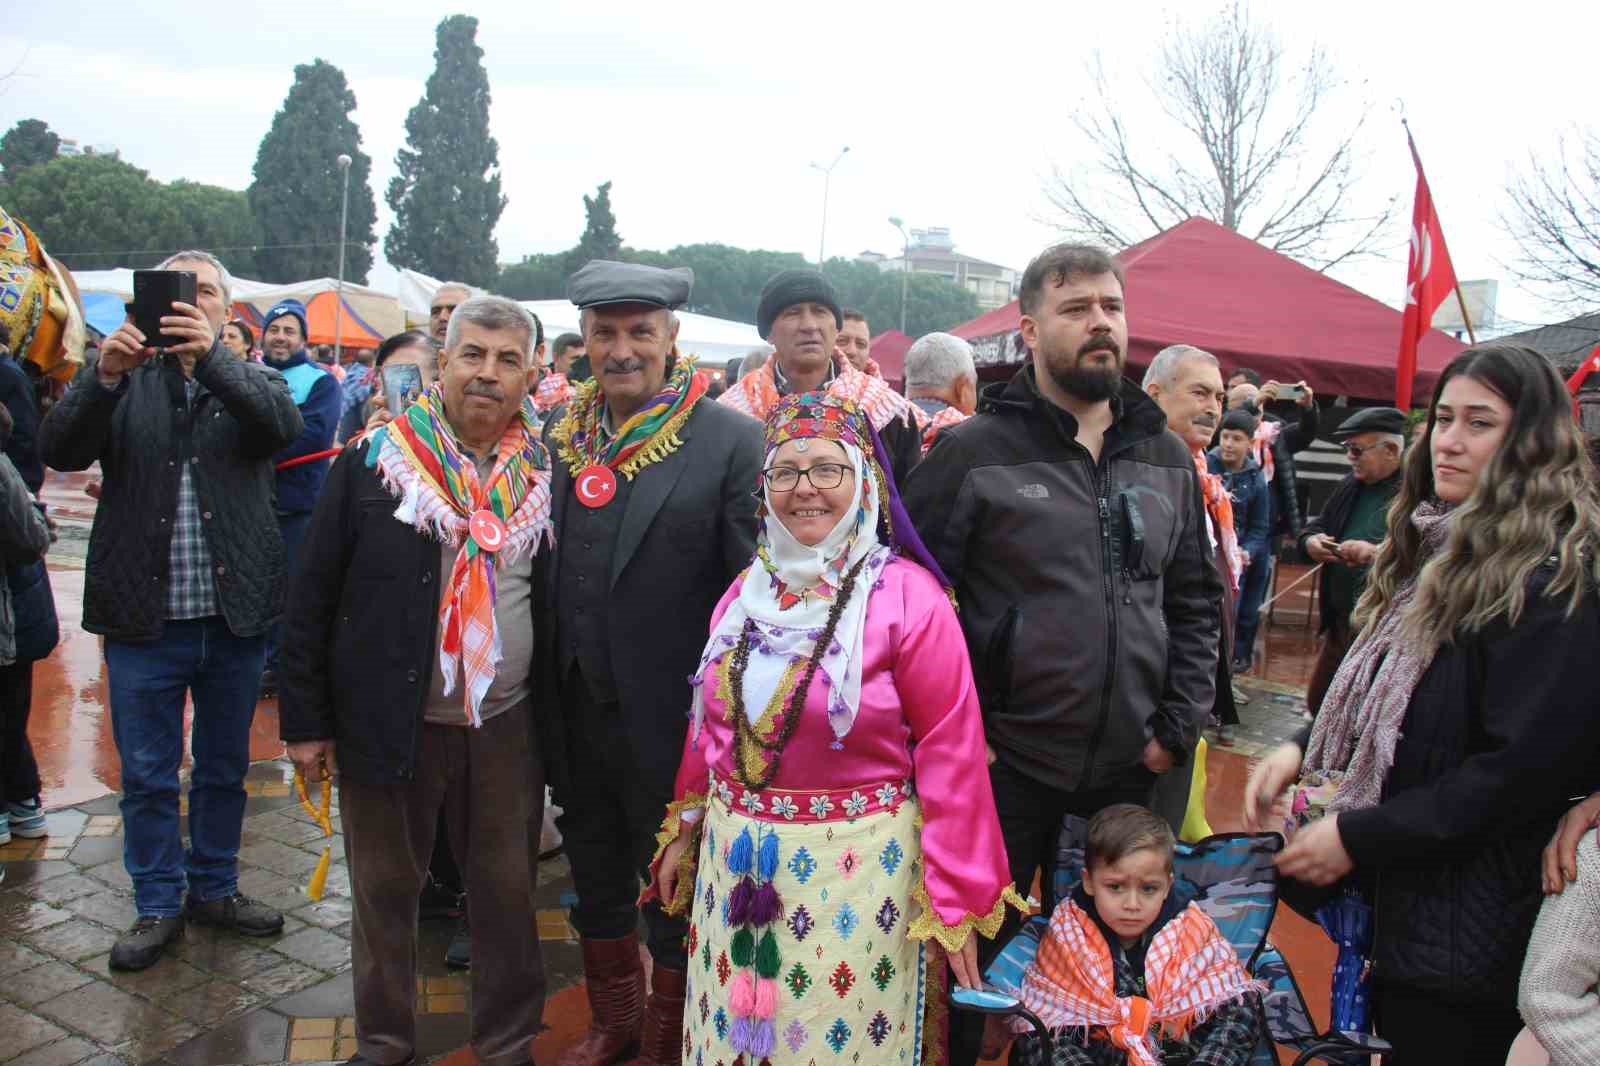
(1268, 780)
(1560, 866)
(667, 875)
(964, 963)
(1317, 855)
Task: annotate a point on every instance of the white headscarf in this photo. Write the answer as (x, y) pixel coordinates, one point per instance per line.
(784, 637)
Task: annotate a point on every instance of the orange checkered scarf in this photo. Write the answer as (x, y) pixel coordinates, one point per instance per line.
(756, 394)
(1219, 516)
(1190, 970)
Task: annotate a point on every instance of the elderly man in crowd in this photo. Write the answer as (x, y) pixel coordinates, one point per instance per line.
(186, 573)
(430, 710)
(942, 381)
(1344, 538)
(1072, 525)
(800, 317)
(446, 298)
(654, 517)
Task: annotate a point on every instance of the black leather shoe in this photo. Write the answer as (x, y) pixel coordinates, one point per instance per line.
(438, 901)
(141, 946)
(237, 912)
(458, 955)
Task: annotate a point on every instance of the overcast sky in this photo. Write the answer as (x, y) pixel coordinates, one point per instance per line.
(707, 117)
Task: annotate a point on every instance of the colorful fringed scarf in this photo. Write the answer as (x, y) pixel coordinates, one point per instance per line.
(1261, 445)
(756, 394)
(648, 437)
(554, 391)
(422, 462)
(936, 424)
(1189, 971)
(1219, 516)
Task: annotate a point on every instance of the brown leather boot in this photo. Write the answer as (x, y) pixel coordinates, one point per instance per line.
(615, 981)
(662, 1041)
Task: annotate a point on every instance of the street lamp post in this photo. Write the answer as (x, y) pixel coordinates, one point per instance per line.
(827, 176)
(905, 266)
(338, 306)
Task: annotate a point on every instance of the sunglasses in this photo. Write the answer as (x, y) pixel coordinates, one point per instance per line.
(1356, 451)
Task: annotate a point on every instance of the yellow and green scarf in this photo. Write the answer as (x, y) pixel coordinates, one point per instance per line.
(649, 436)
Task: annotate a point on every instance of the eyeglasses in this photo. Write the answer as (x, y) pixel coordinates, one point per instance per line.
(442, 309)
(1356, 451)
(821, 476)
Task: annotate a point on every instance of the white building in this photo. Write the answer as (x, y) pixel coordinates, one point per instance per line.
(932, 251)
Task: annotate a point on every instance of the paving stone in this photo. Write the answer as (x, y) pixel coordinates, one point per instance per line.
(316, 947)
(110, 908)
(257, 1036)
(104, 1013)
(167, 977)
(150, 1044)
(341, 930)
(61, 890)
(21, 915)
(110, 804)
(210, 1003)
(112, 873)
(90, 851)
(272, 889)
(72, 940)
(224, 954)
(21, 1031)
(283, 979)
(15, 957)
(327, 912)
(281, 859)
(333, 998)
(68, 1052)
(284, 830)
(21, 874)
(42, 982)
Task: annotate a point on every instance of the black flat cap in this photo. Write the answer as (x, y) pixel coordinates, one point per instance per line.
(1372, 420)
(601, 282)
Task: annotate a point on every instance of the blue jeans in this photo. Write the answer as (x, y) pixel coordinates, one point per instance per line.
(148, 682)
(293, 529)
(1252, 593)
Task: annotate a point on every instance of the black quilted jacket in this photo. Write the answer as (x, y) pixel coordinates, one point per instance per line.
(1501, 732)
(139, 433)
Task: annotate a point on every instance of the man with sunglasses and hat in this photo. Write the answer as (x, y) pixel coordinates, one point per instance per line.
(1344, 538)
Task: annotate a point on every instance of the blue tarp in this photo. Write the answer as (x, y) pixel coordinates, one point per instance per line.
(103, 310)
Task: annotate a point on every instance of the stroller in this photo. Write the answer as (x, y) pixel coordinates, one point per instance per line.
(1235, 883)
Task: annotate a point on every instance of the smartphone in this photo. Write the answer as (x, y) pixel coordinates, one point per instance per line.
(154, 293)
(401, 385)
(1290, 392)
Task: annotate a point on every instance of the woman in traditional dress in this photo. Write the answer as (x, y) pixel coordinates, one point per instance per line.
(833, 811)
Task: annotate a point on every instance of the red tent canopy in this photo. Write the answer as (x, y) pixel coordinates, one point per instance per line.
(1198, 283)
(889, 351)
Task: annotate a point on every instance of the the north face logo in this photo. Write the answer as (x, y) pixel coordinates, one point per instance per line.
(1034, 492)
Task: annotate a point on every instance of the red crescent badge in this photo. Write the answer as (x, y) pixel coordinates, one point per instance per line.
(596, 485)
(488, 532)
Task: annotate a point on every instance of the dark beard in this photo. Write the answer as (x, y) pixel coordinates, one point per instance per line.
(1091, 384)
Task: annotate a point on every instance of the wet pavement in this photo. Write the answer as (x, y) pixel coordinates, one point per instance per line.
(222, 999)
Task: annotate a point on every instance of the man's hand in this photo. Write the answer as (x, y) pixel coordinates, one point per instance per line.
(314, 759)
(1316, 855)
(1560, 865)
(1307, 397)
(120, 352)
(1156, 759)
(380, 411)
(1322, 548)
(1356, 552)
(191, 326)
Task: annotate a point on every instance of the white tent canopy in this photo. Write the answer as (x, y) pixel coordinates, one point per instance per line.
(380, 310)
(714, 341)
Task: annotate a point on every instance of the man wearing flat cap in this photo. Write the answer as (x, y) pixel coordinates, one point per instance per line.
(654, 516)
(1344, 538)
(801, 318)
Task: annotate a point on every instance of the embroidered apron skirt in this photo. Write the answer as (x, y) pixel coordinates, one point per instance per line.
(797, 939)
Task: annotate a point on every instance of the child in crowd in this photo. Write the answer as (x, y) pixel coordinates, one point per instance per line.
(1131, 970)
(1559, 998)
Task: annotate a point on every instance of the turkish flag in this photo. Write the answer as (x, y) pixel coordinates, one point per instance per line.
(1429, 281)
(1590, 365)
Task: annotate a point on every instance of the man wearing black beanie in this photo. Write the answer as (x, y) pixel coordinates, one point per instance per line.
(799, 315)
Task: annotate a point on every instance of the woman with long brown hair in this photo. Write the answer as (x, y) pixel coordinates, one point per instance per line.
(1462, 718)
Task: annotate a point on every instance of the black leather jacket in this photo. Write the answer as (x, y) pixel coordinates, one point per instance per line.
(139, 432)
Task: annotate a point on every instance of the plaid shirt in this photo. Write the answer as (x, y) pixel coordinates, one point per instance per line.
(191, 591)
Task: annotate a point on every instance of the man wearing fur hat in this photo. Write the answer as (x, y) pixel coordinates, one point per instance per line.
(800, 317)
(316, 393)
(654, 516)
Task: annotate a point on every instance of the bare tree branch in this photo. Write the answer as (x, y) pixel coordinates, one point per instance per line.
(1252, 154)
(1554, 218)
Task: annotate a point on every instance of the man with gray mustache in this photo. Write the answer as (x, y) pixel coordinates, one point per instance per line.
(1071, 522)
(655, 516)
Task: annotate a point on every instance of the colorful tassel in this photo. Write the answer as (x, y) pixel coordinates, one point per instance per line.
(765, 1002)
(740, 1036)
(762, 1039)
(769, 857)
(767, 958)
(763, 908)
(742, 853)
(743, 948)
(742, 996)
(739, 901)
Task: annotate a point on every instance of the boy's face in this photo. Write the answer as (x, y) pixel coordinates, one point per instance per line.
(1128, 893)
(1234, 445)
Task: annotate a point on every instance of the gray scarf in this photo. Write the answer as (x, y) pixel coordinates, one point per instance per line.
(1359, 724)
